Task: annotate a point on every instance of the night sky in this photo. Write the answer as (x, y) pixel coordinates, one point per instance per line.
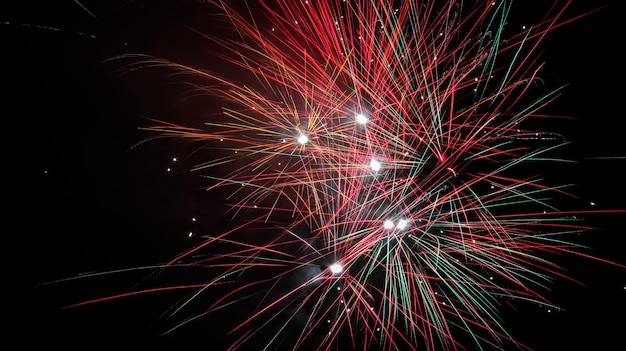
(87, 196)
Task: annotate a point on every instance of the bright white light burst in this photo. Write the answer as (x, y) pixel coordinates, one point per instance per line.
(361, 119)
(336, 268)
(303, 139)
(388, 224)
(402, 224)
(375, 165)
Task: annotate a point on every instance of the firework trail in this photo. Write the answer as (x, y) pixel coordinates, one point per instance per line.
(377, 155)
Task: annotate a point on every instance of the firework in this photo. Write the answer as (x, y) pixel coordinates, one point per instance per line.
(376, 156)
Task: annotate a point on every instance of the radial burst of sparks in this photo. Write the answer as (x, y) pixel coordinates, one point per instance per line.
(404, 230)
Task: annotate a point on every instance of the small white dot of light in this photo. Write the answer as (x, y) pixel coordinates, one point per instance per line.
(422, 97)
(169, 169)
(434, 58)
(475, 90)
(306, 2)
(254, 108)
(592, 203)
(490, 278)
(341, 16)
(273, 29)
(493, 3)
(174, 159)
(441, 34)
(372, 60)
(440, 231)
(340, 301)
(284, 140)
(361, 119)
(475, 79)
(375, 165)
(329, 333)
(402, 223)
(549, 310)
(388, 224)
(347, 310)
(359, 37)
(190, 234)
(221, 139)
(444, 303)
(336, 268)
(296, 22)
(378, 329)
(303, 139)
(279, 163)
(492, 187)
(336, 22)
(523, 27)
(328, 321)
(235, 151)
(193, 219)
(242, 184)
(338, 288)
(474, 241)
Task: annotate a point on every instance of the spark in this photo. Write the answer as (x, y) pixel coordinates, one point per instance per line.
(361, 119)
(375, 165)
(303, 139)
(336, 268)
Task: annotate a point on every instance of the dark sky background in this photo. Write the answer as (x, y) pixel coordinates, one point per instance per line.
(82, 199)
